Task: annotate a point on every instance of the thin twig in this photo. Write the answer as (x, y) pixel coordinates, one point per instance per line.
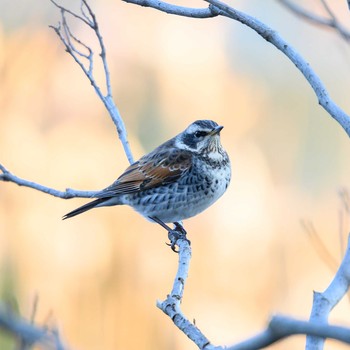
(335, 23)
(319, 246)
(344, 215)
(28, 333)
(67, 194)
(331, 22)
(63, 9)
(72, 44)
(66, 36)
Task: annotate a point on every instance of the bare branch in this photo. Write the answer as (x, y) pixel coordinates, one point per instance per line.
(331, 22)
(345, 199)
(323, 303)
(335, 23)
(67, 194)
(67, 38)
(174, 9)
(275, 39)
(281, 327)
(171, 305)
(63, 10)
(278, 328)
(319, 246)
(344, 216)
(28, 333)
(219, 8)
(75, 47)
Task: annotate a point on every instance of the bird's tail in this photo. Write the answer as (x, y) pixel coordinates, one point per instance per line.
(85, 207)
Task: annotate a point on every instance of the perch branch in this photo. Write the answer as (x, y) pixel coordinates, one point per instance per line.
(171, 306)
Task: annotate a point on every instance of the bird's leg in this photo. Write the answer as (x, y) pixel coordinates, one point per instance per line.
(174, 234)
(160, 222)
(179, 227)
(179, 232)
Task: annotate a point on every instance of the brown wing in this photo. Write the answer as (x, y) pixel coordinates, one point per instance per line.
(152, 170)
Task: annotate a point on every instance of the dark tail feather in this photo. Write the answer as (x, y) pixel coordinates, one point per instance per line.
(85, 207)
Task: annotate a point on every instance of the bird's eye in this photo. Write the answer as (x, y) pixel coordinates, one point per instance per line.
(199, 134)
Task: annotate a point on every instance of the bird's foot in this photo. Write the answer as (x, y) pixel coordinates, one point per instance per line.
(174, 235)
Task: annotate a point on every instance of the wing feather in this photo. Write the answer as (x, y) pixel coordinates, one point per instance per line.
(152, 170)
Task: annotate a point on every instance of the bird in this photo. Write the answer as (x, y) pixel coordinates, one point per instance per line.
(177, 180)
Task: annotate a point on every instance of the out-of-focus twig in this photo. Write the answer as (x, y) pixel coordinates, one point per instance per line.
(344, 216)
(319, 246)
(281, 327)
(345, 198)
(29, 334)
(331, 22)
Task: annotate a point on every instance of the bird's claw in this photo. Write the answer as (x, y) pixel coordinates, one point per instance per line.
(174, 235)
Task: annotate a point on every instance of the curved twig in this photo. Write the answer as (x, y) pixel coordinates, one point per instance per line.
(331, 22)
(79, 52)
(275, 39)
(219, 8)
(67, 38)
(28, 333)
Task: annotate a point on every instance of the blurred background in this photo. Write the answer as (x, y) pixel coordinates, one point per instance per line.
(98, 276)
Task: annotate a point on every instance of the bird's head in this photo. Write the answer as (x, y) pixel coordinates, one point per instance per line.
(202, 136)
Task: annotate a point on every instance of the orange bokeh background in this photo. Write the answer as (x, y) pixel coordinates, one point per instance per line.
(98, 276)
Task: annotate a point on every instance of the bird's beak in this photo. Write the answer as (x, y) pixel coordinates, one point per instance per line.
(216, 130)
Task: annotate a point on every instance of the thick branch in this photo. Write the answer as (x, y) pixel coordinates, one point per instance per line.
(174, 9)
(171, 306)
(275, 39)
(220, 8)
(281, 327)
(323, 303)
